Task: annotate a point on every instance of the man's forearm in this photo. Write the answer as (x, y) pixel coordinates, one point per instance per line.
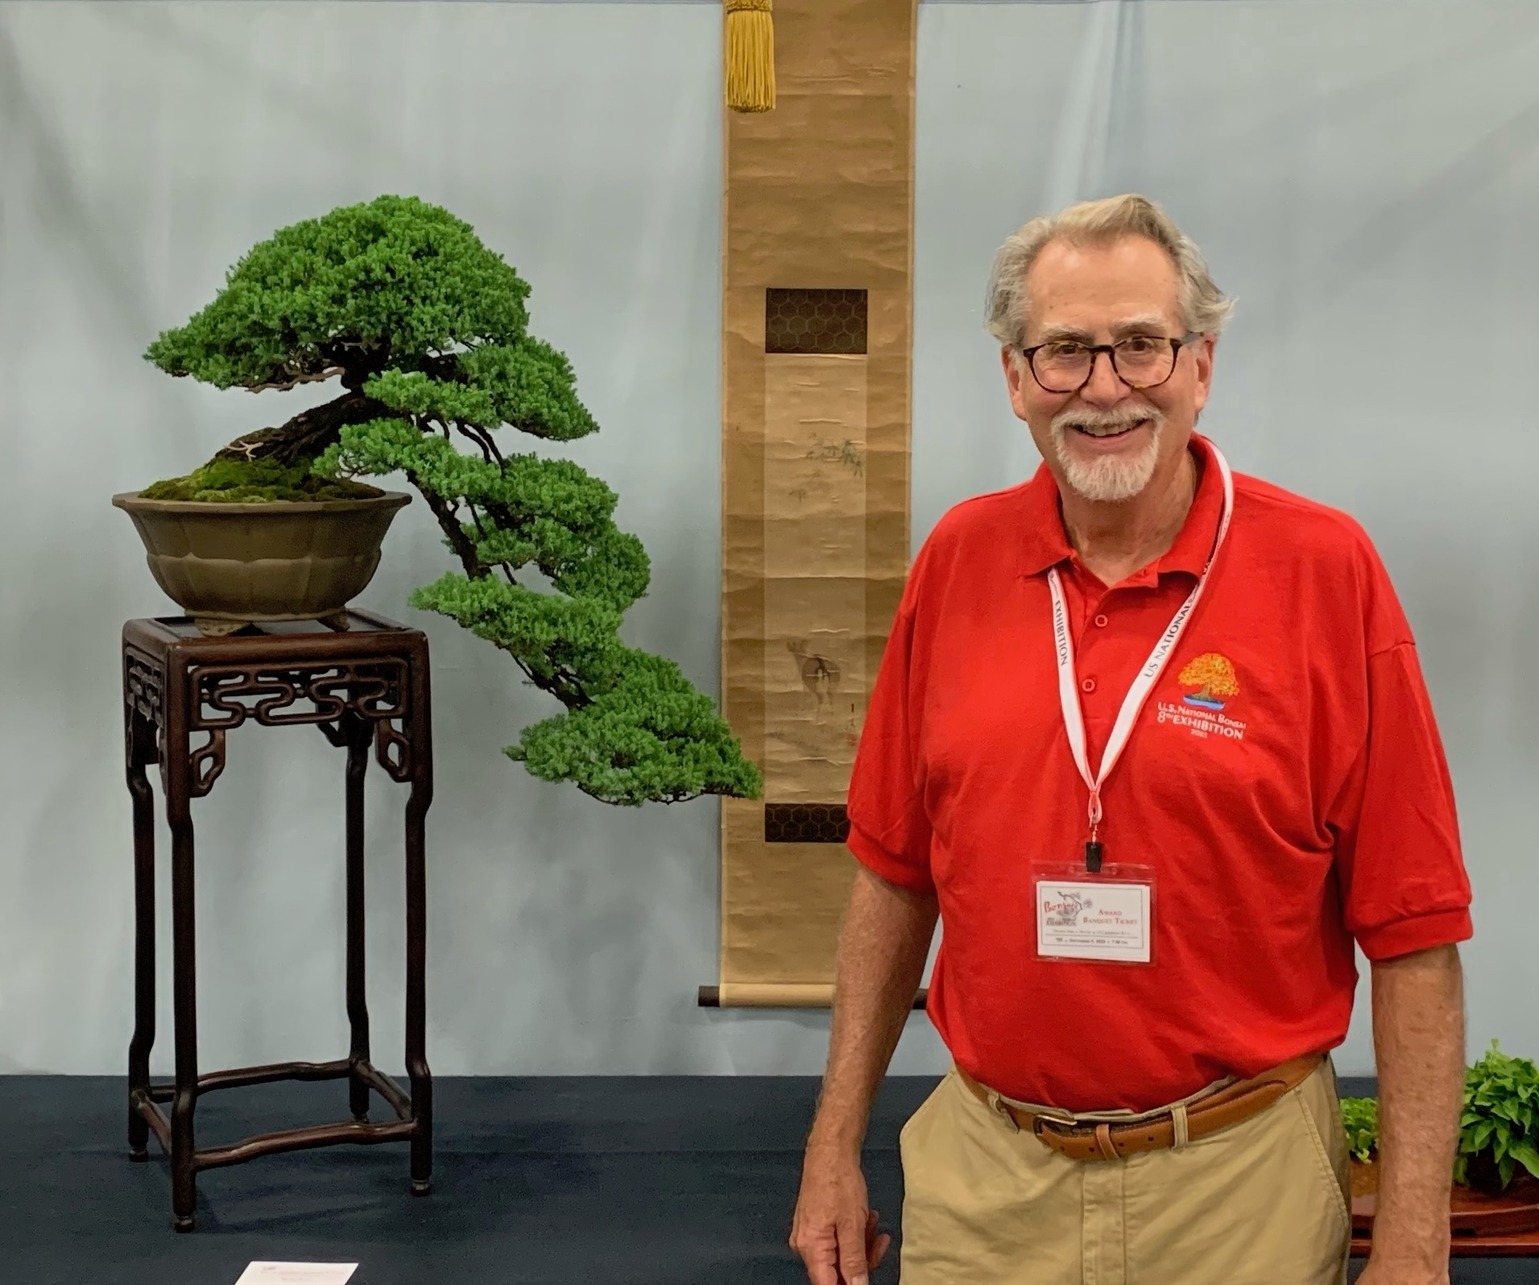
(883, 946)
(1418, 1035)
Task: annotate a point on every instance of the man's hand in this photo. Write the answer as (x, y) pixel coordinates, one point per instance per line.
(834, 1231)
(882, 947)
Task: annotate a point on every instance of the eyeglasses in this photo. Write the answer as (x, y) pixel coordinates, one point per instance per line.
(1140, 361)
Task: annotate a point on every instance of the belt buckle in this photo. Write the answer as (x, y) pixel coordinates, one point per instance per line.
(1058, 1128)
(1065, 1132)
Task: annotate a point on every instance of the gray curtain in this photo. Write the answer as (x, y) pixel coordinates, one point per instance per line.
(1361, 173)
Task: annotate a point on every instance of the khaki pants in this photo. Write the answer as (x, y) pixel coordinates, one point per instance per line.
(1266, 1202)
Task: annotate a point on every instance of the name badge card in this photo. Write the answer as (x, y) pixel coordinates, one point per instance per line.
(1107, 918)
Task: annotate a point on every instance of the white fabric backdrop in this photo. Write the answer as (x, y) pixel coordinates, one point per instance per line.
(1362, 174)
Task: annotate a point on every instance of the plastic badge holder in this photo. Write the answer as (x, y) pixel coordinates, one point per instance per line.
(1100, 917)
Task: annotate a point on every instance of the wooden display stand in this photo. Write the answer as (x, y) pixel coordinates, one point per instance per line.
(363, 680)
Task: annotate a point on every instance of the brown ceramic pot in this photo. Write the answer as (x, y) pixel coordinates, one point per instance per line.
(227, 564)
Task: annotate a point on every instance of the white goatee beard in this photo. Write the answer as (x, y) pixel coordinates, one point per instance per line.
(1111, 480)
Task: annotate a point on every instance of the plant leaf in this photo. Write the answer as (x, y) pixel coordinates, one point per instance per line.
(1527, 1155)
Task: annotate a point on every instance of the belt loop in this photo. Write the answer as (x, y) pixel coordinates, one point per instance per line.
(997, 1106)
(1183, 1133)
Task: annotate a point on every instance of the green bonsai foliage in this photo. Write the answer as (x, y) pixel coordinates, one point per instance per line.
(426, 330)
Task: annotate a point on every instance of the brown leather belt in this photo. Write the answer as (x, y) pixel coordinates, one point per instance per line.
(1109, 1140)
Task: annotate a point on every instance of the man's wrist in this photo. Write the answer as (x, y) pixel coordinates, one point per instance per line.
(1394, 1254)
(836, 1136)
(1410, 1243)
(1411, 1220)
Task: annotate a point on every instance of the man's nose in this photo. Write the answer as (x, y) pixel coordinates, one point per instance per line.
(1104, 388)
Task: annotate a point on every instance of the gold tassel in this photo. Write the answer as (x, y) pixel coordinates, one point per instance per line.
(750, 56)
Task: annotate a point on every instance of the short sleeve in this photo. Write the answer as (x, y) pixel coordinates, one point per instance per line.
(889, 829)
(1398, 856)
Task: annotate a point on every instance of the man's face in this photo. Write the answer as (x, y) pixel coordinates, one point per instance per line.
(1108, 441)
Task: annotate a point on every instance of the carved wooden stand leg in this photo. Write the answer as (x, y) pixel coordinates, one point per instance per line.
(180, 684)
(419, 730)
(358, 735)
(175, 775)
(139, 733)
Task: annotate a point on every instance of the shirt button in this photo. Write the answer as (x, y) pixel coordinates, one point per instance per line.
(1087, 686)
(1100, 622)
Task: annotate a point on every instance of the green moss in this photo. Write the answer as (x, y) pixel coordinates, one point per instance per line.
(232, 481)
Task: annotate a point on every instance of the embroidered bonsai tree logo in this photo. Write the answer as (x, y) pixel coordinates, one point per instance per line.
(426, 330)
(1214, 678)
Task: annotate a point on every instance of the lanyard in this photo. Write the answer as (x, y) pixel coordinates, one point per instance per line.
(1143, 684)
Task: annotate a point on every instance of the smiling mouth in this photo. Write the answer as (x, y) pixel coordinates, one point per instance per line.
(1101, 431)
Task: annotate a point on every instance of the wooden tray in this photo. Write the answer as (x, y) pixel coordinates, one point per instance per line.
(1482, 1225)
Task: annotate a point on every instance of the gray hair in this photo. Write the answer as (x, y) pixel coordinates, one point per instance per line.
(1204, 307)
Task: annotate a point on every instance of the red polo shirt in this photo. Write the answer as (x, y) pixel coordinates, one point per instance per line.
(1298, 801)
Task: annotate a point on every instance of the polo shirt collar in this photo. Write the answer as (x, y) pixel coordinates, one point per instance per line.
(1045, 543)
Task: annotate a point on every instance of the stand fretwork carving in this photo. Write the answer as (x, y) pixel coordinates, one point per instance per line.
(363, 685)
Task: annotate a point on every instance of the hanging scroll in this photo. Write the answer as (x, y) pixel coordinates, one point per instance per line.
(818, 248)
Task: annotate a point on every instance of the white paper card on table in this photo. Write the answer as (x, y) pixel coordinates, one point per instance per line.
(297, 1273)
(1107, 921)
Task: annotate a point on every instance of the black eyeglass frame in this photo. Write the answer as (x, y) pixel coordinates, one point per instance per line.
(1095, 350)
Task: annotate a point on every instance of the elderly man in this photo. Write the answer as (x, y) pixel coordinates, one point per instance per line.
(1152, 741)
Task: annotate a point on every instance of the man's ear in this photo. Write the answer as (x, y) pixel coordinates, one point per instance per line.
(1203, 351)
(1015, 373)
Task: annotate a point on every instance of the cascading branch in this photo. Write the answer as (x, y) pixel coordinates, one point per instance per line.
(427, 331)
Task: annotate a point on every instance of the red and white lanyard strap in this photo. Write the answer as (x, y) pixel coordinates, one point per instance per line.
(1143, 684)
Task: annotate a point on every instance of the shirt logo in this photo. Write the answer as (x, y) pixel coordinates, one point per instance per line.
(1214, 678)
(1214, 684)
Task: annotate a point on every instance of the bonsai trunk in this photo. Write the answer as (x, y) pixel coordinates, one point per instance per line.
(308, 434)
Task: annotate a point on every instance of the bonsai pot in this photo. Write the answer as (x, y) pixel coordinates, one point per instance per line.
(227, 564)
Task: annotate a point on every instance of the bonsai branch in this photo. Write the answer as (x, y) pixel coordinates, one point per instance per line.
(308, 377)
(483, 439)
(449, 522)
(559, 682)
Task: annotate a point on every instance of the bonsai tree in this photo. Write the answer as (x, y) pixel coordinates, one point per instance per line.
(426, 330)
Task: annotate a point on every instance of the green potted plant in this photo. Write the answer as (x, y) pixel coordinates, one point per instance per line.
(1497, 1127)
(1493, 1186)
(426, 331)
(1360, 1116)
